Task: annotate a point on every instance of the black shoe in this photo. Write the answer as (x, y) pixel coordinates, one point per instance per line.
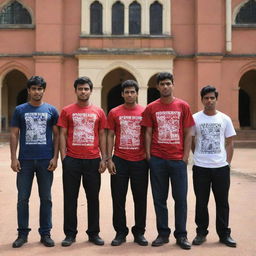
(160, 240)
(19, 241)
(47, 241)
(68, 241)
(228, 241)
(118, 240)
(140, 239)
(183, 243)
(96, 240)
(199, 239)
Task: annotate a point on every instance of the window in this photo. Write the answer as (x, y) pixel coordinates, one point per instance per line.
(156, 18)
(134, 18)
(247, 14)
(96, 18)
(15, 13)
(118, 18)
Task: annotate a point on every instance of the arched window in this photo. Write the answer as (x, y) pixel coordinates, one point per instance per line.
(15, 13)
(134, 18)
(118, 18)
(96, 18)
(156, 18)
(247, 14)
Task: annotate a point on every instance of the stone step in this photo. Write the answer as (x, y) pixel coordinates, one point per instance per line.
(245, 135)
(4, 136)
(245, 143)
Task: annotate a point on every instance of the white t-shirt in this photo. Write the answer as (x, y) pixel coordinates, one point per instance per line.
(210, 133)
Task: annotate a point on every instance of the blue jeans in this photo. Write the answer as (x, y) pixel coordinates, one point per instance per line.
(24, 184)
(161, 171)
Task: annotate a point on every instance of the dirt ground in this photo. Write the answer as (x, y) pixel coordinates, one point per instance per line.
(242, 217)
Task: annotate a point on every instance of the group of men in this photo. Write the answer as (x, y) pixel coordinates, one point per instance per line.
(128, 142)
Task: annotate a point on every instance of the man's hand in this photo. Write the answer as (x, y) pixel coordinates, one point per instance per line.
(111, 167)
(15, 165)
(53, 164)
(102, 166)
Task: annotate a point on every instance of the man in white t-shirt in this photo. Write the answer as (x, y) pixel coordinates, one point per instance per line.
(213, 151)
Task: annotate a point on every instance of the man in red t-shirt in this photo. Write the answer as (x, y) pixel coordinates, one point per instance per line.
(168, 123)
(128, 163)
(82, 139)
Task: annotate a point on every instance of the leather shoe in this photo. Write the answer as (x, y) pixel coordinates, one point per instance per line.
(199, 239)
(228, 241)
(47, 241)
(141, 240)
(183, 243)
(118, 240)
(68, 241)
(160, 240)
(19, 241)
(96, 240)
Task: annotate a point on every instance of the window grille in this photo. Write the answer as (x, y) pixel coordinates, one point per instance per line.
(156, 18)
(247, 14)
(118, 18)
(134, 18)
(15, 13)
(96, 18)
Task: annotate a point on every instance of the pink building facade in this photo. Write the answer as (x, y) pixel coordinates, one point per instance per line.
(201, 42)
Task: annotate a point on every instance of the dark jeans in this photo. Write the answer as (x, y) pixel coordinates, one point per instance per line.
(137, 172)
(73, 171)
(24, 184)
(219, 180)
(161, 171)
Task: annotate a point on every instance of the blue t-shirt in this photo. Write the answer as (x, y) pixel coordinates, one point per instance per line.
(35, 124)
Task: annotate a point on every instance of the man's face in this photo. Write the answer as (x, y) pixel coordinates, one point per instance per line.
(165, 87)
(130, 95)
(209, 101)
(36, 92)
(83, 92)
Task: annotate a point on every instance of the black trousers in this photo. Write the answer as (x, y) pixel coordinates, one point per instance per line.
(219, 180)
(137, 173)
(73, 171)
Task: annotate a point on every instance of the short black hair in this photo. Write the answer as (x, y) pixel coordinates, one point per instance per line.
(128, 84)
(83, 80)
(164, 75)
(209, 89)
(36, 80)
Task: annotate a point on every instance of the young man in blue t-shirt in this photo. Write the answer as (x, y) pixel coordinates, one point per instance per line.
(34, 128)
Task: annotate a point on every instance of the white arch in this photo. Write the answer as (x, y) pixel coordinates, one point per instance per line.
(119, 64)
(237, 9)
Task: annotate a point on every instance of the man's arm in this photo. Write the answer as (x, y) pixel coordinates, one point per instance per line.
(56, 137)
(14, 140)
(63, 142)
(229, 149)
(110, 146)
(148, 140)
(187, 143)
(103, 150)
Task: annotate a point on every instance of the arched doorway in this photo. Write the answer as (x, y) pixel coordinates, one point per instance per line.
(13, 93)
(111, 91)
(247, 100)
(153, 93)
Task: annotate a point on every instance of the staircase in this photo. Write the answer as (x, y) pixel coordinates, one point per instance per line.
(245, 139)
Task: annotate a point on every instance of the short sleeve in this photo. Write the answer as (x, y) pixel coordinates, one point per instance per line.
(15, 119)
(188, 119)
(147, 118)
(230, 130)
(63, 120)
(103, 120)
(111, 121)
(55, 116)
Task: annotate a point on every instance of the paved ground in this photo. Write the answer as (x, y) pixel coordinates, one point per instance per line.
(242, 217)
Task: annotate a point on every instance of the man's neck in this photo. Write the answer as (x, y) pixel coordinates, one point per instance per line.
(83, 103)
(211, 112)
(35, 103)
(127, 105)
(167, 100)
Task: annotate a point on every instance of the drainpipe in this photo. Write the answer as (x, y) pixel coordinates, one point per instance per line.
(228, 26)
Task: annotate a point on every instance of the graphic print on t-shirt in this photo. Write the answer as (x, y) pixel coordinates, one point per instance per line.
(168, 127)
(83, 134)
(36, 128)
(130, 132)
(210, 142)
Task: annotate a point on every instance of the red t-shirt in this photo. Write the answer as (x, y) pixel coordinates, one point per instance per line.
(83, 124)
(128, 131)
(168, 122)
